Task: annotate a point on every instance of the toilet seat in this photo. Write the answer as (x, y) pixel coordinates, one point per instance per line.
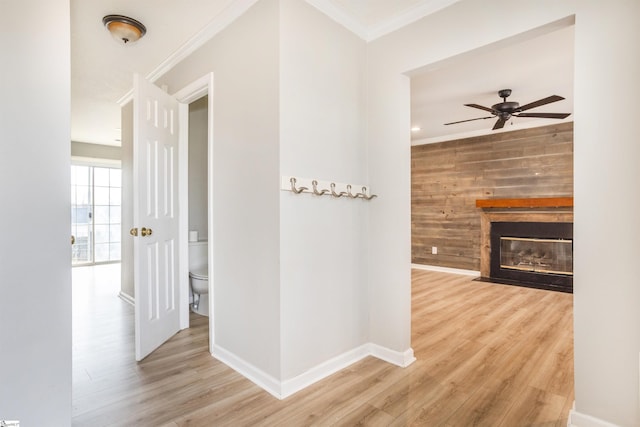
(200, 273)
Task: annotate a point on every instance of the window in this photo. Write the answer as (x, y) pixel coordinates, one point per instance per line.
(95, 214)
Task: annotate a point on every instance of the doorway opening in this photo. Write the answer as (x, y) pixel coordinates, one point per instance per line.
(201, 88)
(198, 216)
(199, 93)
(445, 231)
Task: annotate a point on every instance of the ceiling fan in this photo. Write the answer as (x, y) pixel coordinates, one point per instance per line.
(505, 110)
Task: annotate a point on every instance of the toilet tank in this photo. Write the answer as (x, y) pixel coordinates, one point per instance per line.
(198, 252)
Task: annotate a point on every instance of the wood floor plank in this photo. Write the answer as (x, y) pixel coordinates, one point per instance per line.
(366, 415)
(433, 408)
(399, 396)
(487, 355)
(534, 407)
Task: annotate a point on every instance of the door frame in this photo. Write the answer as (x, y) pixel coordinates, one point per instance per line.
(192, 92)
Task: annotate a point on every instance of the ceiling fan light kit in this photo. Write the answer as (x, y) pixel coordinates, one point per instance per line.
(124, 29)
(506, 109)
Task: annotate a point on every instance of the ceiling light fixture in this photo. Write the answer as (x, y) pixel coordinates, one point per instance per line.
(123, 28)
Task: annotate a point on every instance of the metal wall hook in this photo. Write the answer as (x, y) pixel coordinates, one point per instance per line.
(293, 186)
(333, 191)
(364, 194)
(350, 194)
(320, 188)
(314, 183)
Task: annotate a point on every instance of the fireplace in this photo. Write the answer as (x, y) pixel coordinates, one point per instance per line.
(527, 242)
(536, 254)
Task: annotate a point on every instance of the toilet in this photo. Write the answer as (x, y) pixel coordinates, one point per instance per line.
(199, 280)
(199, 277)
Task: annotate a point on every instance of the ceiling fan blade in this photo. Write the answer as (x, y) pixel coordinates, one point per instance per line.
(545, 115)
(543, 101)
(499, 124)
(480, 107)
(470, 120)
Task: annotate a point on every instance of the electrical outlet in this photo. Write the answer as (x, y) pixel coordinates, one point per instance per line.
(434, 250)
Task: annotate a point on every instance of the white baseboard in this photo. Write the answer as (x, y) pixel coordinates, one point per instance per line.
(246, 369)
(576, 419)
(127, 298)
(445, 269)
(323, 370)
(284, 389)
(397, 358)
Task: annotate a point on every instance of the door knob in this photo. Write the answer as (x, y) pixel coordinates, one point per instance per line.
(73, 239)
(146, 232)
(133, 231)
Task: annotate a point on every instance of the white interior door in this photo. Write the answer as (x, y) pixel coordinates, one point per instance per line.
(155, 215)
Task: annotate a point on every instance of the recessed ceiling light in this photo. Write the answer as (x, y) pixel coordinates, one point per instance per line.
(416, 129)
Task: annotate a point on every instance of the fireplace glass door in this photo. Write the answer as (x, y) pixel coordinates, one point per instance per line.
(536, 254)
(551, 256)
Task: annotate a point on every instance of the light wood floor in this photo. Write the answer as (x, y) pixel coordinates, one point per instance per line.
(487, 355)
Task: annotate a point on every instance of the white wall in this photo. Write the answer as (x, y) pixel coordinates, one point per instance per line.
(289, 301)
(323, 240)
(126, 249)
(35, 249)
(606, 300)
(607, 202)
(198, 167)
(96, 151)
(245, 273)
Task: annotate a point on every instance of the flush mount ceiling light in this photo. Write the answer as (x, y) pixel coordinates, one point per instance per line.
(123, 28)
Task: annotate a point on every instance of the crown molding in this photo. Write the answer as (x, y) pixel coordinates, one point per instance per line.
(340, 16)
(215, 26)
(407, 17)
(239, 7)
(488, 131)
(368, 34)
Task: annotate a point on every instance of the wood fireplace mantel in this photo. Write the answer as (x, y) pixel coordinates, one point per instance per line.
(541, 202)
(546, 209)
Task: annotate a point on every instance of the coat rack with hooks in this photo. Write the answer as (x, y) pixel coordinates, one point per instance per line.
(325, 188)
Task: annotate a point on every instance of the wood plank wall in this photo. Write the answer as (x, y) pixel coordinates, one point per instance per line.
(447, 178)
